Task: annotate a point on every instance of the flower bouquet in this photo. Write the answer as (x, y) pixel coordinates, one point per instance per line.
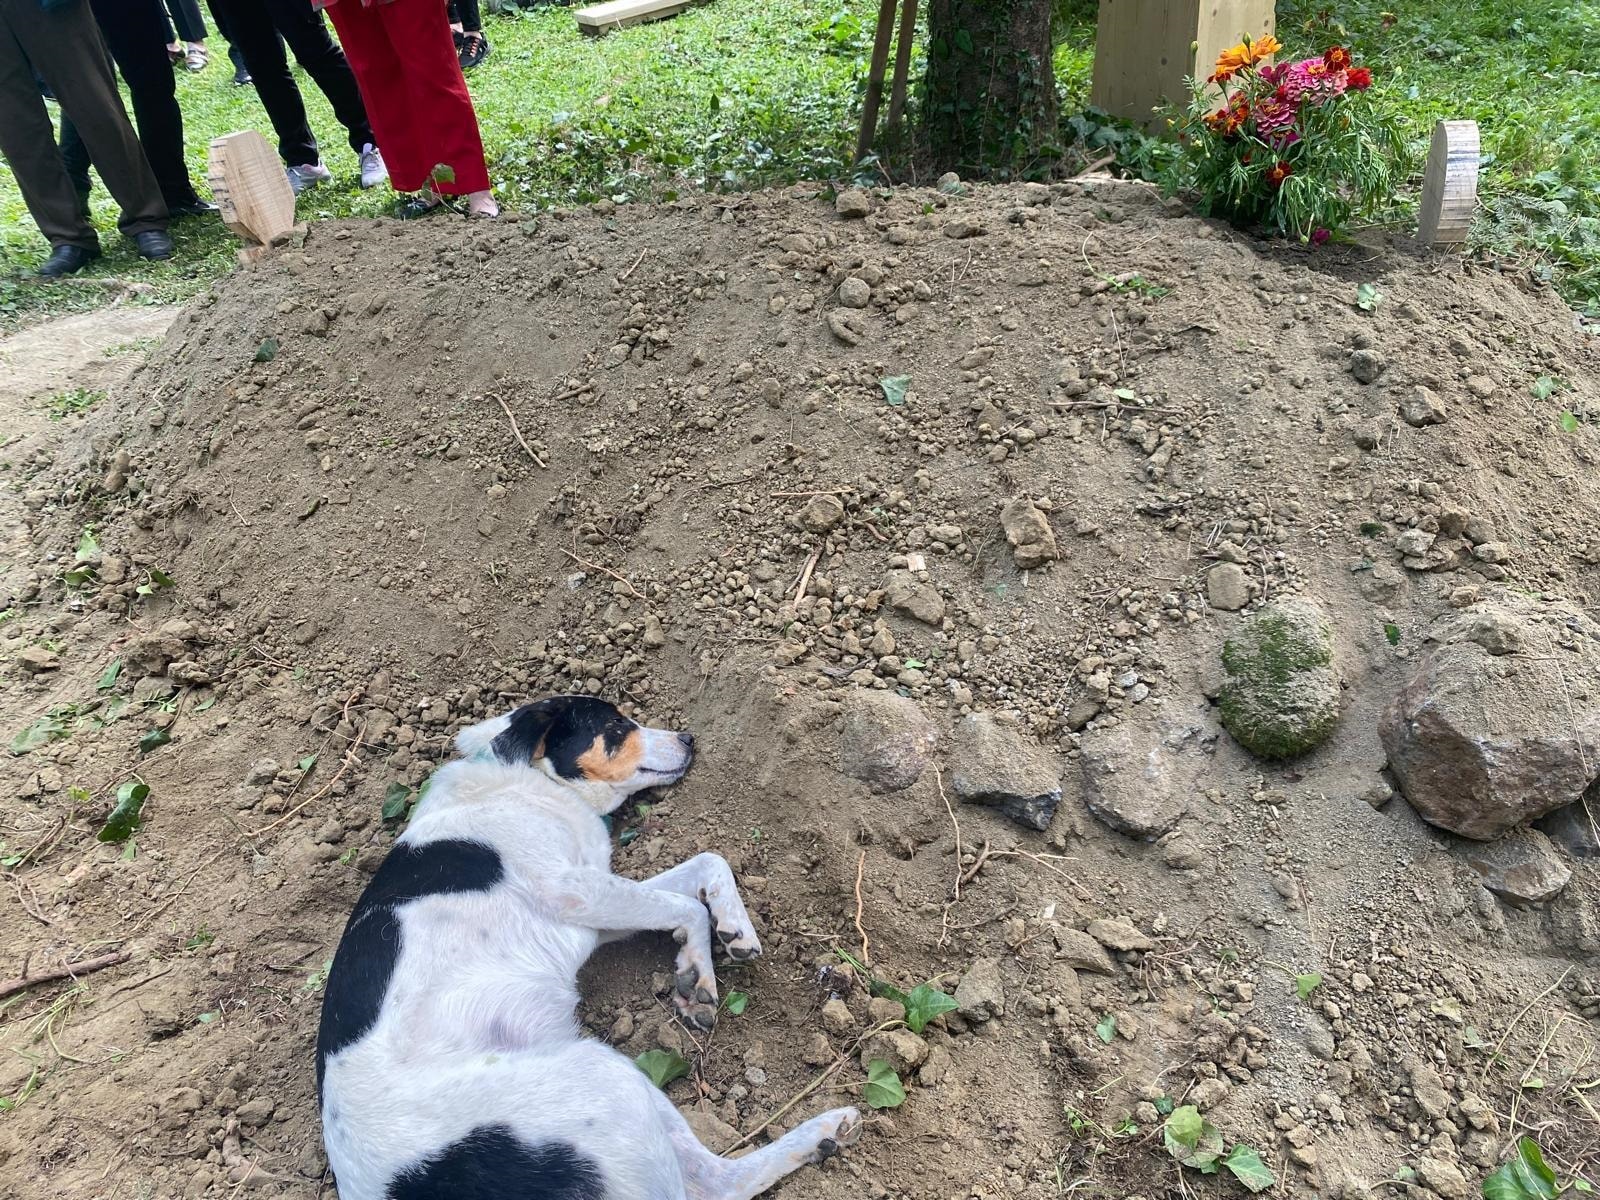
(1301, 147)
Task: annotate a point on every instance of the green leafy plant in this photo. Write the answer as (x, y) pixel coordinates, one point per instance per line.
(924, 1003)
(736, 1002)
(1106, 1028)
(662, 1066)
(1305, 984)
(156, 580)
(894, 388)
(318, 978)
(1368, 297)
(1244, 1163)
(46, 729)
(82, 569)
(1525, 1177)
(108, 677)
(1192, 1140)
(1302, 148)
(153, 739)
(124, 818)
(1392, 633)
(202, 938)
(1544, 387)
(1568, 421)
(267, 350)
(884, 1089)
(72, 402)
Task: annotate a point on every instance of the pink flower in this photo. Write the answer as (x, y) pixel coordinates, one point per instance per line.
(1274, 117)
(1311, 78)
(1320, 236)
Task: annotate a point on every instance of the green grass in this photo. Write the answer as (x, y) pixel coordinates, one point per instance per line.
(740, 94)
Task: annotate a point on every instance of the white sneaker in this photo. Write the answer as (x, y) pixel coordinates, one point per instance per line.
(373, 171)
(309, 175)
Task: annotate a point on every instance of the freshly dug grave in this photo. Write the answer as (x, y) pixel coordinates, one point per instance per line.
(932, 524)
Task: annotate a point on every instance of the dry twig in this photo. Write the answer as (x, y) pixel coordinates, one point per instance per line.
(10, 987)
(517, 433)
(805, 575)
(344, 765)
(866, 944)
(594, 566)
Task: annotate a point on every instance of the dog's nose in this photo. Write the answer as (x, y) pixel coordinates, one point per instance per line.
(687, 739)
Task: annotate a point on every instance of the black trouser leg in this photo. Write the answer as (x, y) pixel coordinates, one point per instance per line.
(471, 17)
(254, 33)
(315, 50)
(186, 16)
(134, 30)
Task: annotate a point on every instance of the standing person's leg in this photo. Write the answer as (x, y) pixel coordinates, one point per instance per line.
(257, 38)
(307, 34)
(133, 30)
(28, 143)
(445, 127)
(474, 46)
(65, 46)
(241, 73)
(75, 158)
(386, 93)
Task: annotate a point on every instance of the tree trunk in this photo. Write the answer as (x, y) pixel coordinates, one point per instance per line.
(989, 100)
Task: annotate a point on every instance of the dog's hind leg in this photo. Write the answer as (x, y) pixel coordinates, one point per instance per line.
(709, 879)
(708, 1176)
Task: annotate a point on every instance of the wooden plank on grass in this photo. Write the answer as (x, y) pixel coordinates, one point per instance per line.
(1145, 49)
(614, 14)
(1450, 187)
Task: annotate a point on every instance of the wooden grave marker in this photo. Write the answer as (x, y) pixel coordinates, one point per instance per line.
(597, 19)
(1145, 49)
(250, 186)
(1450, 186)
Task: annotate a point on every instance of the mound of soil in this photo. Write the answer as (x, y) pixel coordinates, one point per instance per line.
(932, 525)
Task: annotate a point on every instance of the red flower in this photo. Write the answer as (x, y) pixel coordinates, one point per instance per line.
(1359, 79)
(1278, 173)
(1320, 236)
(1337, 58)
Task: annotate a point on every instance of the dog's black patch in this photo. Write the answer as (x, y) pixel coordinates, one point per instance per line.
(561, 729)
(492, 1163)
(370, 946)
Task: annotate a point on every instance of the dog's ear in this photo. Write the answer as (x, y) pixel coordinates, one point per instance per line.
(522, 741)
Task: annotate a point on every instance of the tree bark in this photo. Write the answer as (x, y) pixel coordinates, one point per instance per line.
(989, 98)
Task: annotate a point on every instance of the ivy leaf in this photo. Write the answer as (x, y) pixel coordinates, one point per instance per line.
(40, 733)
(124, 818)
(963, 40)
(108, 677)
(267, 350)
(1247, 1167)
(1125, 394)
(736, 1002)
(153, 739)
(442, 173)
(884, 1089)
(1181, 1132)
(87, 546)
(1368, 297)
(662, 1066)
(1525, 1177)
(894, 388)
(1107, 1028)
(1543, 388)
(924, 1003)
(1392, 632)
(1569, 422)
(1305, 984)
(395, 800)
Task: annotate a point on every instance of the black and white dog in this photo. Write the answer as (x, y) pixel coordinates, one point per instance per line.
(450, 1064)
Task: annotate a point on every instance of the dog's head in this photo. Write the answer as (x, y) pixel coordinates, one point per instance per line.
(586, 743)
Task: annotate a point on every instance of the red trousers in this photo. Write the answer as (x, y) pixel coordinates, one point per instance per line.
(405, 62)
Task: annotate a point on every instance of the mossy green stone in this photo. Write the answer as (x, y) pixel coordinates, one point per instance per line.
(1281, 697)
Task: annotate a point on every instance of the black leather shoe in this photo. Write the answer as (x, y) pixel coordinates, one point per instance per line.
(153, 244)
(66, 260)
(195, 208)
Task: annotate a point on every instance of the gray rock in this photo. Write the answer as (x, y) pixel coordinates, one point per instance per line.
(993, 765)
(903, 592)
(1576, 828)
(1415, 542)
(1443, 1178)
(1117, 934)
(1367, 365)
(900, 1048)
(1281, 697)
(1082, 952)
(1422, 407)
(852, 204)
(885, 740)
(1137, 776)
(36, 660)
(712, 1131)
(1227, 587)
(980, 995)
(1521, 866)
(1481, 743)
(1033, 542)
(262, 772)
(855, 293)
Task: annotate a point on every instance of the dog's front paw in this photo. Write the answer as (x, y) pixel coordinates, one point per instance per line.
(845, 1131)
(694, 995)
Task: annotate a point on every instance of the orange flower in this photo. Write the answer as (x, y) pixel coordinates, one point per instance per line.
(1337, 58)
(1246, 54)
(1278, 172)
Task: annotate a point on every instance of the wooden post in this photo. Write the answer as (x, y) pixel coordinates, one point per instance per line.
(1450, 187)
(1145, 49)
(902, 62)
(874, 96)
(252, 192)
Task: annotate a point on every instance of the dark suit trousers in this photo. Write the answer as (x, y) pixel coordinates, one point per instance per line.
(65, 47)
(135, 32)
(254, 27)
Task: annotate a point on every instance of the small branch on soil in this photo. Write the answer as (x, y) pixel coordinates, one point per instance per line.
(172, 899)
(1041, 859)
(971, 872)
(827, 1074)
(10, 987)
(866, 944)
(791, 495)
(572, 393)
(1511, 1028)
(636, 263)
(805, 575)
(521, 441)
(722, 483)
(594, 566)
(344, 765)
(944, 917)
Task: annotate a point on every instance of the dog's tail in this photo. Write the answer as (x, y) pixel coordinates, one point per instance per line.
(474, 741)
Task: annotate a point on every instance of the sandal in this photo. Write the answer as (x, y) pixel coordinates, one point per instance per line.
(197, 59)
(418, 204)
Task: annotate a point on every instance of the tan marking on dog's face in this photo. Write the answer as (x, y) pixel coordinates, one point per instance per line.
(617, 767)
